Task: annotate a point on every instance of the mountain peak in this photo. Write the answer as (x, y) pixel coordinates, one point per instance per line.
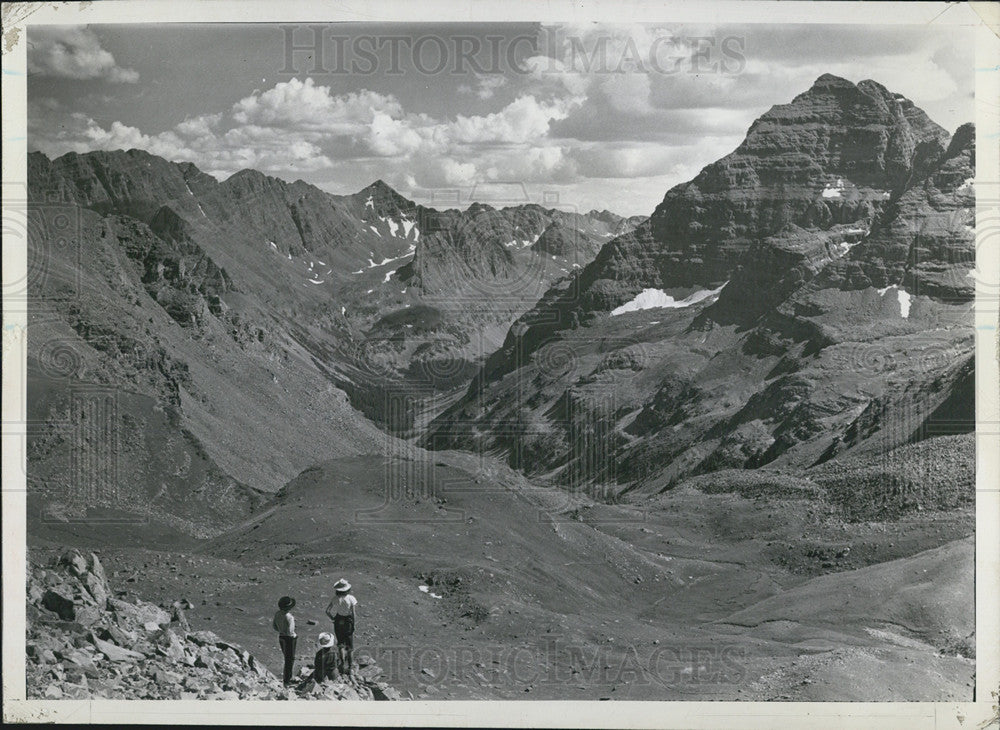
(384, 196)
(965, 136)
(479, 207)
(379, 186)
(828, 81)
(604, 215)
(247, 174)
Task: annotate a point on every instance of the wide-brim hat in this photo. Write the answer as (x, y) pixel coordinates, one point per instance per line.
(341, 586)
(326, 640)
(286, 602)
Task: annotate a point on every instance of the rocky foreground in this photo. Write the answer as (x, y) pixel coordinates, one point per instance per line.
(84, 642)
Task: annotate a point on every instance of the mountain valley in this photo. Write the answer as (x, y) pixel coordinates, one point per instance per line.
(724, 452)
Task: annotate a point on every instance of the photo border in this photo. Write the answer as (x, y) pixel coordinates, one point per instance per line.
(939, 715)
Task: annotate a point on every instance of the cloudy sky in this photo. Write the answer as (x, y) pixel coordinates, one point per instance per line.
(605, 117)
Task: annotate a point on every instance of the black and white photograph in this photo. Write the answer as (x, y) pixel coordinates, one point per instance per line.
(415, 358)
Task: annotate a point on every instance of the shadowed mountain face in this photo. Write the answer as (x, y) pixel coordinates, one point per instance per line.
(245, 328)
(805, 296)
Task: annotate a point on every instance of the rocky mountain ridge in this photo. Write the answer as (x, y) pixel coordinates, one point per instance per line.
(757, 313)
(246, 326)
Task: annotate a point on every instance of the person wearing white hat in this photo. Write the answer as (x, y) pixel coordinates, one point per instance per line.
(325, 664)
(343, 612)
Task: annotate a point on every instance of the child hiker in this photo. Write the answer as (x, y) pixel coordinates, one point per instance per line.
(342, 611)
(325, 665)
(284, 624)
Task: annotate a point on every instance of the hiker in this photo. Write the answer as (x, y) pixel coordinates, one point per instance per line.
(325, 665)
(342, 611)
(284, 624)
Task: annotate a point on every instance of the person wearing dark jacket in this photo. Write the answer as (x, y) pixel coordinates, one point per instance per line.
(325, 664)
(284, 624)
(343, 612)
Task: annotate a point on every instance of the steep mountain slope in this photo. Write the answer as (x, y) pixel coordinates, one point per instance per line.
(804, 296)
(156, 396)
(240, 326)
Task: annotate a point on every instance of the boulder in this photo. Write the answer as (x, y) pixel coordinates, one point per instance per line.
(75, 562)
(165, 677)
(101, 689)
(195, 683)
(346, 692)
(35, 591)
(76, 676)
(75, 692)
(148, 613)
(170, 646)
(382, 691)
(98, 589)
(204, 638)
(97, 570)
(310, 686)
(117, 635)
(77, 658)
(256, 667)
(124, 612)
(115, 653)
(60, 602)
(88, 615)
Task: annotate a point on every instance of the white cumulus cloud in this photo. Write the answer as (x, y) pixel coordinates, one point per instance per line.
(73, 52)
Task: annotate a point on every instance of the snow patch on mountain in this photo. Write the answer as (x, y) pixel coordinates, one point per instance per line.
(902, 296)
(659, 299)
(841, 249)
(834, 191)
(523, 243)
(406, 254)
